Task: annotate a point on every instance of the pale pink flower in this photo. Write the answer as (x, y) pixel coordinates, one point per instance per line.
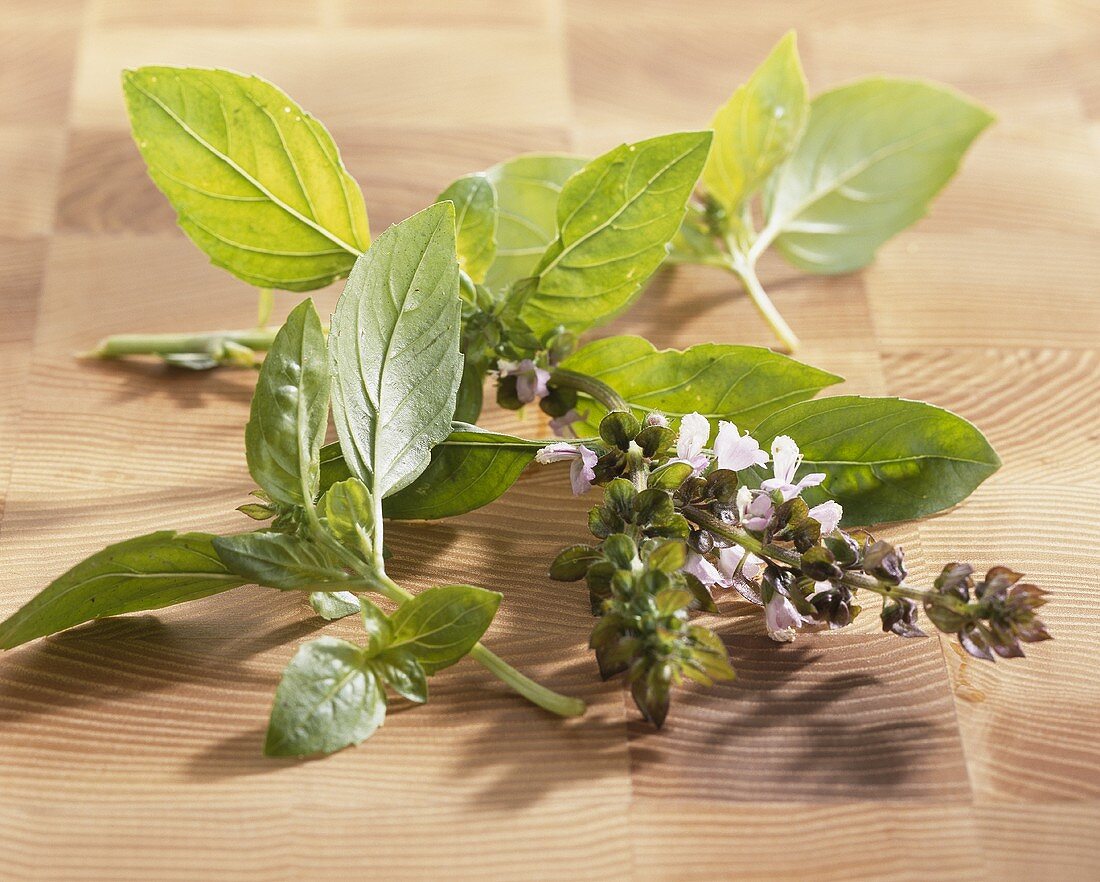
(703, 570)
(735, 451)
(786, 458)
(562, 426)
(729, 558)
(828, 514)
(582, 463)
(656, 419)
(781, 618)
(531, 379)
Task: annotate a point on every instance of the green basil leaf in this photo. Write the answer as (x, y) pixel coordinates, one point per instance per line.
(347, 513)
(743, 384)
(758, 127)
(475, 203)
(289, 414)
(333, 605)
(148, 572)
(327, 699)
(280, 560)
(377, 625)
(403, 673)
(470, 391)
(872, 157)
(615, 219)
(885, 459)
(527, 189)
(393, 345)
(471, 468)
(440, 625)
(256, 182)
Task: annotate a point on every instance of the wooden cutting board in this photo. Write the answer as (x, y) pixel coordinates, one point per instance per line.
(130, 749)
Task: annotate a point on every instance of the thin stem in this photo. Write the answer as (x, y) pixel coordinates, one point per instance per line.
(264, 306)
(212, 342)
(746, 272)
(590, 386)
(547, 699)
(792, 558)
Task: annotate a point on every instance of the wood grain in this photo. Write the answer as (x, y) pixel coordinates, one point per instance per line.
(129, 748)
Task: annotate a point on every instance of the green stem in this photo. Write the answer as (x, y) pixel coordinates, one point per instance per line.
(792, 558)
(211, 343)
(590, 386)
(746, 272)
(547, 699)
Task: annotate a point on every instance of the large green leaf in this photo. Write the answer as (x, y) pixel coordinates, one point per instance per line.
(257, 183)
(147, 572)
(290, 410)
(615, 219)
(758, 127)
(471, 468)
(475, 203)
(873, 155)
(742, 384)
(440, 625)
(329, 697)
(885, 459)
(393, 345)
(527, 189)
(280, 560)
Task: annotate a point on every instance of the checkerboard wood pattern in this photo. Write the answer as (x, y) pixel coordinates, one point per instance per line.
(130, 749)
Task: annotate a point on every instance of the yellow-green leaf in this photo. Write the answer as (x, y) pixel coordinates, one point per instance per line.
(615, 220)
(256, 182)
(527, 189)
(475, 205)
(758, 127)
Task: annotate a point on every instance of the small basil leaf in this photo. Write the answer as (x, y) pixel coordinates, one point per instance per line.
(743, 384)
(333, 605)
(615, 220)
(256, 182)
(440, 625)
(527, 189)
(403, 673)
(280, 560)
(327, 699)
(147, 572)
(377, 625)
(289, 413)
(470, 392)
(394, 352)
(873, 155)
(885, 459)
(757, 128)
(475, 203)
(347, 513)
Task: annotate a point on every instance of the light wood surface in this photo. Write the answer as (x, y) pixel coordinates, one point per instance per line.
(130, 749)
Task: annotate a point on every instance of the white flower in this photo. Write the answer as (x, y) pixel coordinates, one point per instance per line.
(828, 514)
(581, 471)
(531, 379)
(735, 451)
(656, 419)
(786, 459)
(781, 618)
(729, 558)
(693, 437)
